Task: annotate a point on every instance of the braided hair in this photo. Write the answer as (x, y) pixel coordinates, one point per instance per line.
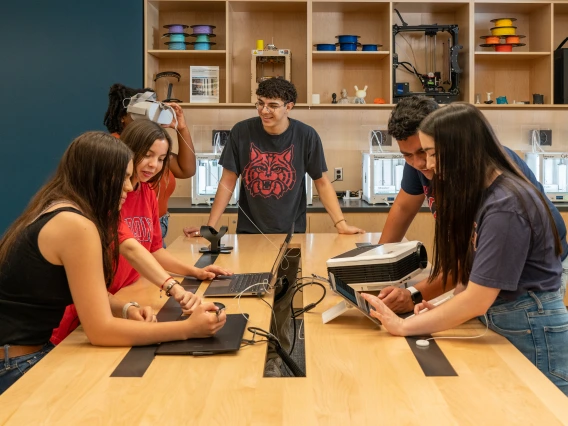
(116, 109)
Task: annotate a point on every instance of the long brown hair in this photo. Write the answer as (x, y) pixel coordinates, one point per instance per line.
(139, 136)
(467, 151)
(91, 175)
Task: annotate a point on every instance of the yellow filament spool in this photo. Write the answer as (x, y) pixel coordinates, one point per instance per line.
(503, 31)
(504, 22)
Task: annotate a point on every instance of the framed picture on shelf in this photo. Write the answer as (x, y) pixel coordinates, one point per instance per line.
(204, 84)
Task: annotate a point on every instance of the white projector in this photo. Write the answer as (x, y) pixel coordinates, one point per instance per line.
(374, 267)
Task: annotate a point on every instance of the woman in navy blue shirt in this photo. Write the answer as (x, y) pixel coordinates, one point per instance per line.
(495, 234)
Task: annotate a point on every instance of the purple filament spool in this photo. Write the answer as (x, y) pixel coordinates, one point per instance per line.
(175, 28)
(202, 29)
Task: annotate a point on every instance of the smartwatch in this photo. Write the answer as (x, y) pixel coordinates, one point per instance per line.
(415, 294)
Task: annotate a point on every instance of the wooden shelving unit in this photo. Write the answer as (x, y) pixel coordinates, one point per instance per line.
(298, 25)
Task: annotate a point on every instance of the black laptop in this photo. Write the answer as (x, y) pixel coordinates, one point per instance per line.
(254, 284)
(228, 339)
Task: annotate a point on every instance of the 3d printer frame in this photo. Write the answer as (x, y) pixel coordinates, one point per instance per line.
(441, 97)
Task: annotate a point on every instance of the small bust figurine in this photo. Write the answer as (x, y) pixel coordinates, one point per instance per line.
(360, 95)
(333, 98)
(343, 99)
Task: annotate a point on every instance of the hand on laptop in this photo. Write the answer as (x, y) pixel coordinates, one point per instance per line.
(211, 271)
(205, 321)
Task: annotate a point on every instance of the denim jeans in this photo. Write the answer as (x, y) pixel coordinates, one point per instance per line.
(537, 325)
(11, 369)
(164, 222)
(564, 277)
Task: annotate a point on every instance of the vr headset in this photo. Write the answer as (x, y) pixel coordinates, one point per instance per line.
(145, 105)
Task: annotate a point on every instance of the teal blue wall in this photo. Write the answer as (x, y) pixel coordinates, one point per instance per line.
(57, 62)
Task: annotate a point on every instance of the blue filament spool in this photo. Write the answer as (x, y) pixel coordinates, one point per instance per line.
(176, 45)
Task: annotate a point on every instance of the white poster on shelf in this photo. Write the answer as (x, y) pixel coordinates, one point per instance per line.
(204, 84)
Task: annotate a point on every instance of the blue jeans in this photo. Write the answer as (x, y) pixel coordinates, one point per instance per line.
(164, 222)
(564, 277)
(11, 369)
(537, 325)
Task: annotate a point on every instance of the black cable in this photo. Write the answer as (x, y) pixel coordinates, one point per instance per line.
(404, 24)
(298, 312)
(248, 342)
(413, 71)
(272, 339)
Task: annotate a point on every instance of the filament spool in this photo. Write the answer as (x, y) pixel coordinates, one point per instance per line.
(176, 28)
(503, 22)
(202, 29)
(177, 45)
(503, 31)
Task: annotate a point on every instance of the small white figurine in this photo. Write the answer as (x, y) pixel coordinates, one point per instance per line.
(344, 99)
(360, 95)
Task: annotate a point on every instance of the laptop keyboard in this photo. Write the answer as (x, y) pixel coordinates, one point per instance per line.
(243, 281)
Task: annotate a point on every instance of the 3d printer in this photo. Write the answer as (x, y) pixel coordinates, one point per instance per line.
(206, 180)
(442, 85)
(269, 63)
(382, 176)
(550, 168)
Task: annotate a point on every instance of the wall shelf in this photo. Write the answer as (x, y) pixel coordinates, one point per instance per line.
(299, 24)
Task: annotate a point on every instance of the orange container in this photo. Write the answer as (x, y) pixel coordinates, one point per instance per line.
(503, 48)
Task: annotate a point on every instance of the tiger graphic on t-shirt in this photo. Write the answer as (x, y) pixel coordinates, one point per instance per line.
(269, 173)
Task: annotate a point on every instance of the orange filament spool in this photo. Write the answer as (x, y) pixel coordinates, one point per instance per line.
(503, 48)
(491, 39)
(512, 39)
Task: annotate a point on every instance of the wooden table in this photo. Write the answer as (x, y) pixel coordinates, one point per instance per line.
(356, 373)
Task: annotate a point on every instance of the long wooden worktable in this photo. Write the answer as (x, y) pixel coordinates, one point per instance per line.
(356, 373)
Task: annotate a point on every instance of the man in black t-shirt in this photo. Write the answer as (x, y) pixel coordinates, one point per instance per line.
(415, 187)
(272, 153)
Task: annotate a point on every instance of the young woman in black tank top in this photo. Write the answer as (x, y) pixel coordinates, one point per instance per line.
(53, 255)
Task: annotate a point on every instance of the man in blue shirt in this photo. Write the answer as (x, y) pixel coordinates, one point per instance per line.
(415, 186)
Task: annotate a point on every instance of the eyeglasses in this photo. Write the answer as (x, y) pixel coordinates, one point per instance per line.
(270, 107)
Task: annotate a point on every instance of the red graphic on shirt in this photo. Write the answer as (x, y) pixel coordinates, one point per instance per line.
(269, 173)
(141, 228)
